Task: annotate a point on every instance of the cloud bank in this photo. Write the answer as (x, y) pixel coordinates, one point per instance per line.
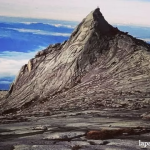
(11, 62)
(41, 32)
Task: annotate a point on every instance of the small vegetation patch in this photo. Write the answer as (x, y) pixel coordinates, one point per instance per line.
(112, 133)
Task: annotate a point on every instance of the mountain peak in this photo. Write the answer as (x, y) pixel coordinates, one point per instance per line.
(98, 22)
(94, 22)
(97, 12)
(95, 65)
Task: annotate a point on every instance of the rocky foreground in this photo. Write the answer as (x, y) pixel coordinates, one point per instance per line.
(107, 129)
(91, 92)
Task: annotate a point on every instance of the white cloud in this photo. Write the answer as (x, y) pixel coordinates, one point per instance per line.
(11, 62)
(116, 11)
(61, 25)
(56, 25)
(10, 67)
(5, 82)
(146, 39)
(41, 32)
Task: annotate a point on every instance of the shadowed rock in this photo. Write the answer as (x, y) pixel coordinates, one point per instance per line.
(98, 66)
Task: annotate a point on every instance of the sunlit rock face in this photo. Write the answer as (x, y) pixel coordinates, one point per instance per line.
(99, 66)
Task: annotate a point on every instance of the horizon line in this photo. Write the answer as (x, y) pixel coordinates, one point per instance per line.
(75, 21)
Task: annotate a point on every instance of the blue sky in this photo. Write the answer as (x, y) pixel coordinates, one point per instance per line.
(116, 11)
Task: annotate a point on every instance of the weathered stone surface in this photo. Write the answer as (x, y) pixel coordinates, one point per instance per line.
(3, 93)
(64, 136)
(21, 136)
(146, 116)
(99, 66)
(41, 147)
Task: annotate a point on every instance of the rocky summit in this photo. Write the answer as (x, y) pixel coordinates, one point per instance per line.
(98, 67)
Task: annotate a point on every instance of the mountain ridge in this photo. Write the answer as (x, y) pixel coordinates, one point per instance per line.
(91, 69)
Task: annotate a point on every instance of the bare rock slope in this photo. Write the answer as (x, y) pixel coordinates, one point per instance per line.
(99, 66)
(2, 93)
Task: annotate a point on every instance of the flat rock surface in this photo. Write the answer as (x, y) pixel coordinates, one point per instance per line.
(67, 130)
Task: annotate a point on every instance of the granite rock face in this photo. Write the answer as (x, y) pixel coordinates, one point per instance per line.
(2, 93)
(99, 66)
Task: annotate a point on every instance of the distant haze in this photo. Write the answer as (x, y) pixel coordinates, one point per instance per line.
(115, 11)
